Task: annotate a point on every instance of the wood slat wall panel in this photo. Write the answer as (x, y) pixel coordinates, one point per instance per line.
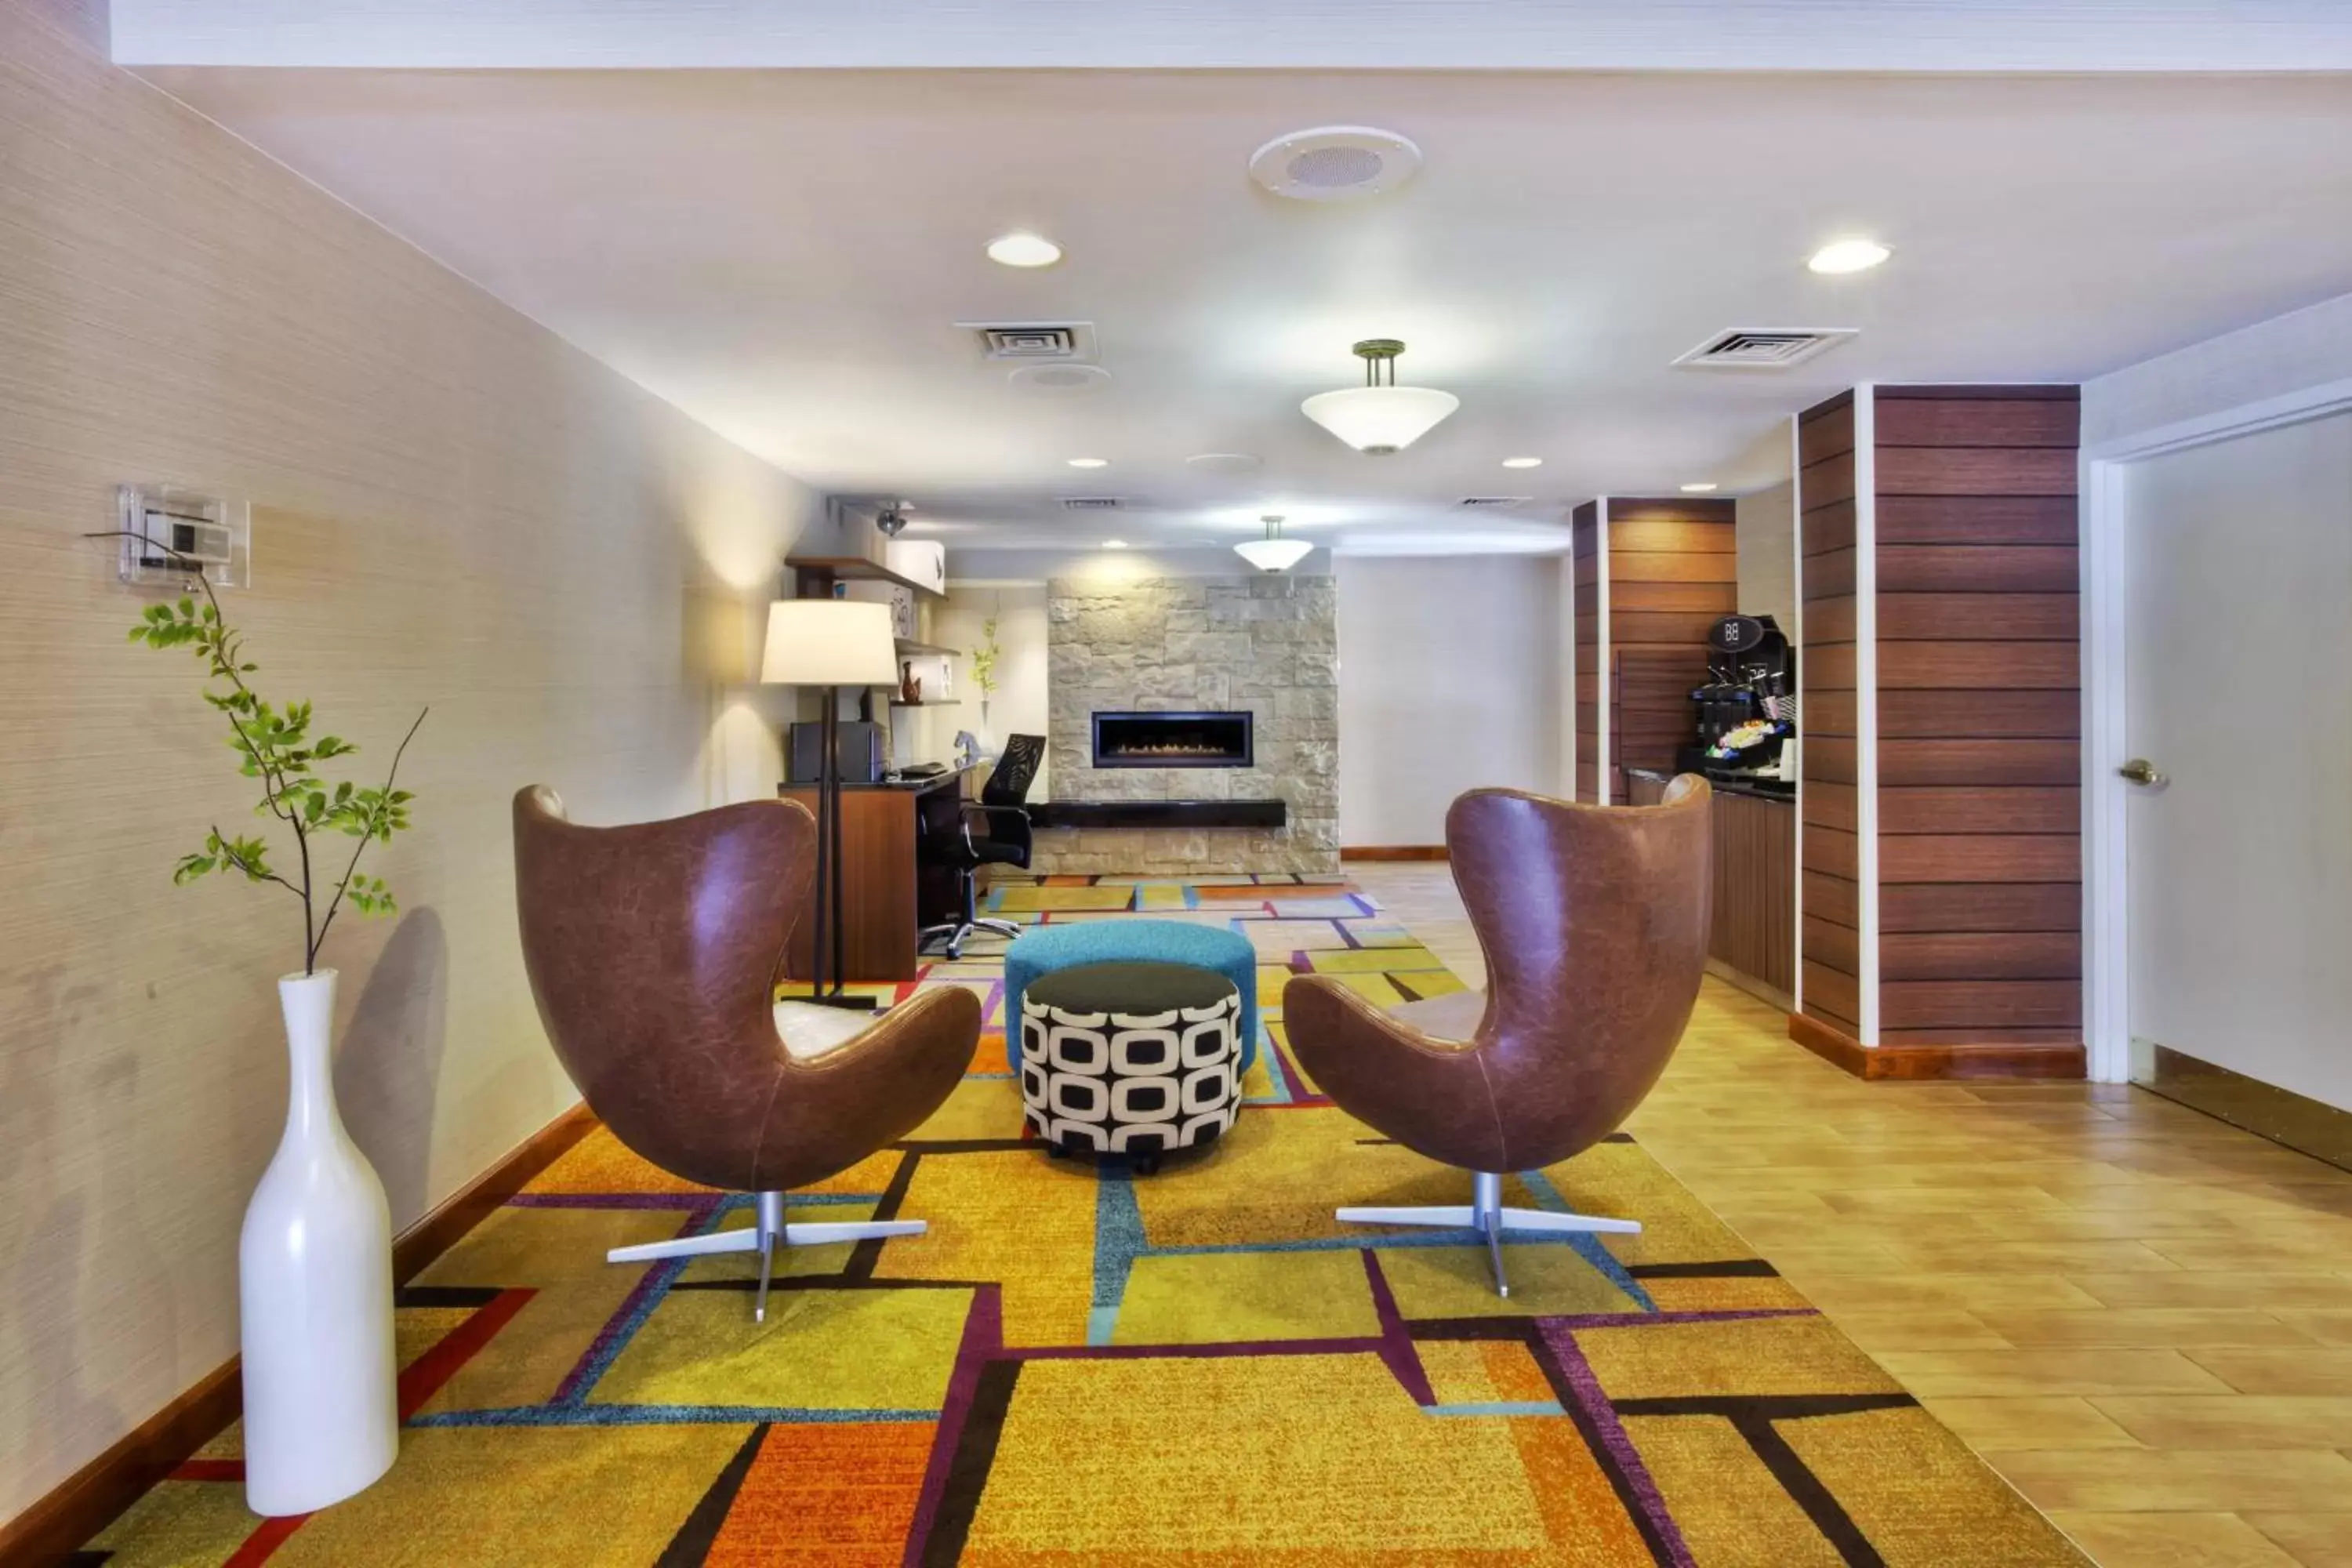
(1973, 665)
(1982, 955)
(1976, 569)
(1926, 907)
(1979, 810)
(1585, 624)
(1831, 897)
(1754, 876)
(1941, 808)
(1905, 763)
(1829, 853)
(1984, 617)
(1677, 551)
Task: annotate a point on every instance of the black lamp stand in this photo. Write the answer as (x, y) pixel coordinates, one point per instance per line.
(826, 960)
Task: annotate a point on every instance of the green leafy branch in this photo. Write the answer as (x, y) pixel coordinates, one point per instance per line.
(275, 746)
(984, 659)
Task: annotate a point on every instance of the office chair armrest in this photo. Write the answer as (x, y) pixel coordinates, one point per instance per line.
(989, 815)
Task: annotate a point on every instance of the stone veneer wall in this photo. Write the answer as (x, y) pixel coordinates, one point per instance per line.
(1268, 645)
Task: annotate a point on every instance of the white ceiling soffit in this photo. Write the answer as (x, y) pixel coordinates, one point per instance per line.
(1461, 35)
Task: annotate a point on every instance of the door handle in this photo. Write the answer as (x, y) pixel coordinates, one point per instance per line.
(2140, 771)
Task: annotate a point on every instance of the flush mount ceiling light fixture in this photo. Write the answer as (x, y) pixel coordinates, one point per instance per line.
(1380, 416)
(1702, 487)
(1335, 164)
(1023, 250)
(1523, 462)
(1090, 462)
(1274, 553)
(1842, 256)
(1114, 544)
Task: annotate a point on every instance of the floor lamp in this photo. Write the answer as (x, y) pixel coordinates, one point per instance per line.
(829, 644)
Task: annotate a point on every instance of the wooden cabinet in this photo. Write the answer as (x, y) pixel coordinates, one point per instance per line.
(887, 889)
(1755, 933)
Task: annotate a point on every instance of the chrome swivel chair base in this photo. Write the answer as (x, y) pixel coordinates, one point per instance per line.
(1487, 1216)
(762, 1236)
(958, 932)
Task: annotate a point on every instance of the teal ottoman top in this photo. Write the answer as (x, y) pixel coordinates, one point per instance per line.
(1043, 950)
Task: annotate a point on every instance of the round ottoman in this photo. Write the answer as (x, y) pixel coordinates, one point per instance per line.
(1133, 1059)
(1049, 949)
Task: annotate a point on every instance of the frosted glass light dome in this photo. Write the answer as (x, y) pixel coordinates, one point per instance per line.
(1380, 416)
(1273, 554)
(1380, 419)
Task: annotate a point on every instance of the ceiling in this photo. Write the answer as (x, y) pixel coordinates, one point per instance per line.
(784, 254)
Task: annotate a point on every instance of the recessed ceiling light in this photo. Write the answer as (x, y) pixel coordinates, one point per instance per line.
(1849, 256)
(1023, 250)
(1114, 544)
(1523, 462)
(1090, 462)
(1704, 487)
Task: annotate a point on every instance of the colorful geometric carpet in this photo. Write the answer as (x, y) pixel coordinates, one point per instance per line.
(1081, 1367)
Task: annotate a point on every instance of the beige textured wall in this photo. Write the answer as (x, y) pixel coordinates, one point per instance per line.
(450, 507)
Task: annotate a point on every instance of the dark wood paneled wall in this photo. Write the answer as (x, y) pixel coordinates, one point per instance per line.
(1673, 568)
(1830, 944)
(1979, 716)
(1585, 549)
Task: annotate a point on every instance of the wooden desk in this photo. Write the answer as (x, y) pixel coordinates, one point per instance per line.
(887, 891)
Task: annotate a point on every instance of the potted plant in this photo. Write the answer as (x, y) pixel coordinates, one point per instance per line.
(314, 1259)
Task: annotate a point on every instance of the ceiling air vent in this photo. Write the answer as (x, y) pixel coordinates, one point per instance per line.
(1495, 503)
(1774, 348)
(1030, 341)
(1091, 503)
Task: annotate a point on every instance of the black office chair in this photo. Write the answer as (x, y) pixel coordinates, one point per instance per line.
(1002, 839)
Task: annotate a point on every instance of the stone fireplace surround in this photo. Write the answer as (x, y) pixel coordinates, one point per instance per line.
(1264, 644)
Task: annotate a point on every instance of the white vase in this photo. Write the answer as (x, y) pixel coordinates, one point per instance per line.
(314, 1288)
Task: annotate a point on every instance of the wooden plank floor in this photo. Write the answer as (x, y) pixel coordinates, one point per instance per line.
(2139, 1315)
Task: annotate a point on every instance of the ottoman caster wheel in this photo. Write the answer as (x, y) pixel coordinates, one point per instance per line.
(1149, 1166)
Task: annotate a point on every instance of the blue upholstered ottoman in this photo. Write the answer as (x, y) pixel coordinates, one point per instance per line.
(1041, 950)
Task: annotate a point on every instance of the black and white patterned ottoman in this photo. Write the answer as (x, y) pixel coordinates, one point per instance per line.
(1132, 1059)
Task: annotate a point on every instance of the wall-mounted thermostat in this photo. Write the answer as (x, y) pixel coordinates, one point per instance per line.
(171, 533)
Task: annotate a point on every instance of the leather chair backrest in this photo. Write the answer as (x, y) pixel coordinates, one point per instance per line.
(1594, 921)
(1008, 783)
(652, 951)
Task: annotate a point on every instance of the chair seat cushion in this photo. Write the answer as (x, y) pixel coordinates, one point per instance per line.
(811, 1029)
(1452, 1016)
(1049, 949)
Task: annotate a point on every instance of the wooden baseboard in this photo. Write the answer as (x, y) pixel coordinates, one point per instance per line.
(1740, 980)
(86, 1502)
(1393, 852)
(1989, 1059)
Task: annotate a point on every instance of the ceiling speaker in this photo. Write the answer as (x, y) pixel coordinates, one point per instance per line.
(1335, 164)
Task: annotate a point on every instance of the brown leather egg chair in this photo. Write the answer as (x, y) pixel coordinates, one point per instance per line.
(1594, 923)
(653, 951)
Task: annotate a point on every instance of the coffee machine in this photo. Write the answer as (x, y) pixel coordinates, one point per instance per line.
(1747, 710)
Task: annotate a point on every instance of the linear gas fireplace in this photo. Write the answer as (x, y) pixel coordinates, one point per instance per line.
(1173, 741)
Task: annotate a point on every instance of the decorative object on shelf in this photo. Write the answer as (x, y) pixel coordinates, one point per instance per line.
(1380, 417)
(314, 1258)
(1274, 553)
(829, 644)
(985, 656)
(910, 685)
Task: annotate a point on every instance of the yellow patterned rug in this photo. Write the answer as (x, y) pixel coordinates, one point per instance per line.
(1076, 1367)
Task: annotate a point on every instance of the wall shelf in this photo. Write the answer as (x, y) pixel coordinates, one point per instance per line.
(854, 568)
(908, 645)
(927, 702)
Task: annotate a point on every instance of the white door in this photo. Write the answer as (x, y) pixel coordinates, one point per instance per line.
(2240, 616)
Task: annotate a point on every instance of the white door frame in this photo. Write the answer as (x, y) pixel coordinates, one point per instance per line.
(2107, 887)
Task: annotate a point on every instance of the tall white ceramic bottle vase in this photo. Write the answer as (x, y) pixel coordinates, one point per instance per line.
(314, 1278)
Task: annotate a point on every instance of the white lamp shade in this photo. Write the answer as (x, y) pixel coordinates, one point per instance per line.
(1273, 554)
(1381, 419)
(829, 642)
